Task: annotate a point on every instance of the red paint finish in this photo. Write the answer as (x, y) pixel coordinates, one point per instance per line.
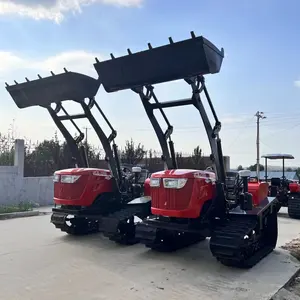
(259, 191)
(294, 187)
(85, 190)
(186, 202)
(147, 189)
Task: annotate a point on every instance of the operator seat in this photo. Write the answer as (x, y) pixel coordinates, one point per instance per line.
(230, 184)
(275, 185)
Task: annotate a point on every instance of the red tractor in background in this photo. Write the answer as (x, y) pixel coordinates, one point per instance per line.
(190, 205)
(87, 199)
(286, 191)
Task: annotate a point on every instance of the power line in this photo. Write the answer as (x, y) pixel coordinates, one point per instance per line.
(233, 126)
(242, 129)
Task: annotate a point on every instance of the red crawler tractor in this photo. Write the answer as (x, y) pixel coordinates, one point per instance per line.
(87, 199)
(286, 191)
(190, 205)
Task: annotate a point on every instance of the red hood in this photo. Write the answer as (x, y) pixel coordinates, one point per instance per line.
(81, 171)
(183, 173)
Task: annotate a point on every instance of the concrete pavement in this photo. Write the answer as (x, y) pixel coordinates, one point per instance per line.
(39, 262)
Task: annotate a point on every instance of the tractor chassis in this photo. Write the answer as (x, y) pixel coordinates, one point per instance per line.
(76, 221)
(119, 224)
(228, 243)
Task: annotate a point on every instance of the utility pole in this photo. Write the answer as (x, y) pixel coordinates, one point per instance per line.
(86, 136)
(259, 115)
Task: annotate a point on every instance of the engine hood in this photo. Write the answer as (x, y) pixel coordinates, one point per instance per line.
(82, 171)
(183, 173)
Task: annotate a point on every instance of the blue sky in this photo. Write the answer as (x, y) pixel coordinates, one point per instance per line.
(260, 71)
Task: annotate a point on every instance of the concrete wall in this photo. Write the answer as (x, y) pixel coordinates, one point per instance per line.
(15, 188)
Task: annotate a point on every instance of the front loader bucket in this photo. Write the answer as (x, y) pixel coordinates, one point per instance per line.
(53, 89)
(184, 59)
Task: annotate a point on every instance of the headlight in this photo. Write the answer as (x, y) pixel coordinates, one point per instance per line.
(69, 178)
(55, 178)
(174, 183)
(154, 182)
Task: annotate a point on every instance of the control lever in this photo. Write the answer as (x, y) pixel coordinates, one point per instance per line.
(246, 202)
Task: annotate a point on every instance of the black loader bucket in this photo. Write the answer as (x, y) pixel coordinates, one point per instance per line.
(184, 59)
(53, 89)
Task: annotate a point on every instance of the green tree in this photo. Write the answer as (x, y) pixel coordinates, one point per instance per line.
(197, 156)
(132, 154)
(253, 167)
(44, 159)
(240, 167)
(6, 150)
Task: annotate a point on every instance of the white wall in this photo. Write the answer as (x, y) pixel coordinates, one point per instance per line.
(14, 187)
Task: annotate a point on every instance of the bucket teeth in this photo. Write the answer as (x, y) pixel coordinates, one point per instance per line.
(198, 56)
(53, 89)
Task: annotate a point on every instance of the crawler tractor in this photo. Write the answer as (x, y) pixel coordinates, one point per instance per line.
(286, 191)
(87, 199)
(190, 205)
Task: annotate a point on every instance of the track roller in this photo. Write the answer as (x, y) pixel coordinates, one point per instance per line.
(240, 242)
(120, 226)
(294, 206)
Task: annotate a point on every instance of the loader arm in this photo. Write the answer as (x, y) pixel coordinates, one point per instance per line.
(164, 138)
(189, 60)
(78, 88)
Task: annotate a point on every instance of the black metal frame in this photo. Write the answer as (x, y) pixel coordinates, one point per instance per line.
(80, 158)
(283, 157)
(198, 86)
(168, 150)
(163, 64)
(75, 87)
(111, 155)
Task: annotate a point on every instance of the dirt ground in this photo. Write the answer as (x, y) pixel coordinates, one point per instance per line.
(294, 248)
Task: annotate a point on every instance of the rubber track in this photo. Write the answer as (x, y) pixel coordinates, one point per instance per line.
(294, 206)
(111, 223)
(227, 243)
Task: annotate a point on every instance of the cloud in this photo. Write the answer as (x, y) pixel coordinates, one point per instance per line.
(15, 66)
(297, 83)
(55, 10)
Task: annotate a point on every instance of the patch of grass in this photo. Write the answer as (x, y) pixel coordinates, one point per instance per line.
(21, 207)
